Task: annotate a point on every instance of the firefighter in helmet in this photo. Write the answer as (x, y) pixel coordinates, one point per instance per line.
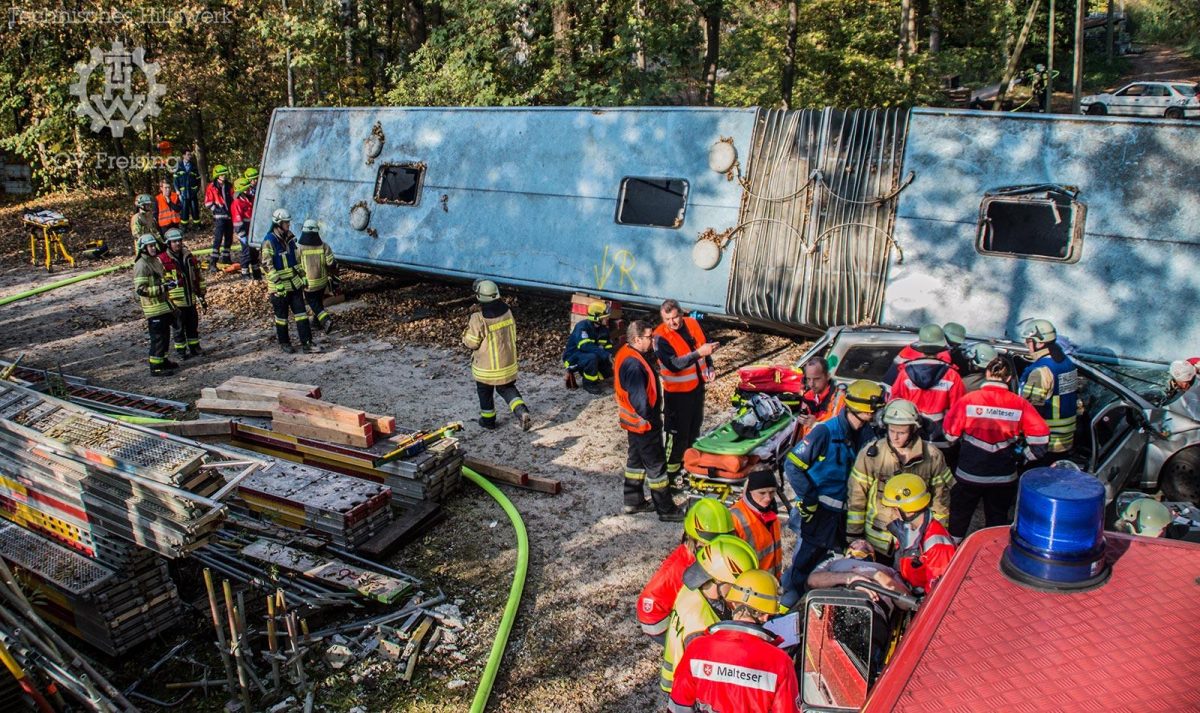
(589, 349)
(924, 547)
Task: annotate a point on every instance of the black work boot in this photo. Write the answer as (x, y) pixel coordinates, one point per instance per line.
(287, 347)
(635, 502)
(168, 364)
(183, 353)
(195, 350)
(592, 387)
(668, 511)
(488, 422)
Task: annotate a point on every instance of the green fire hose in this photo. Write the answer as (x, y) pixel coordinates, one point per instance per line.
(514, 595)
(84, 276)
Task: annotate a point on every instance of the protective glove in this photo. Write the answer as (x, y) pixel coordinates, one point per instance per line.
(336, 283)
(806, 510)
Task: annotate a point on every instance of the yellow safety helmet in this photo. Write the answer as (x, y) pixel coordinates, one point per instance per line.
(597, 311)
(250, 173)
(707, 518)
(1147, 517)
(864, 396)
(906, 492)
(240, 185)
(220, 170)
(726, 557)
(757, 589)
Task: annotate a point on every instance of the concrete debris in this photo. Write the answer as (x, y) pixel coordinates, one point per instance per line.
(283, 705)
(456, 684)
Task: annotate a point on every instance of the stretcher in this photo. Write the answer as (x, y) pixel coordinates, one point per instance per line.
(720, 460)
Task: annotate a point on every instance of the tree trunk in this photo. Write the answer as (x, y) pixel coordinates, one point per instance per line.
(935, 26)
(418, 30)
(640, 10)
(560, 14)
(1108, 33)
(906, 11)
(200, 144)
(1015, 58)
(1077, 69)
(788, 79)
(712, 48)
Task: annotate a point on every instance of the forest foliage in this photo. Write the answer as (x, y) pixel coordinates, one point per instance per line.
(225, 64)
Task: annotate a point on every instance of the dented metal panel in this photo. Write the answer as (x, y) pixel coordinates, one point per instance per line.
(1136, 278)
(814, 238)
(522, 196)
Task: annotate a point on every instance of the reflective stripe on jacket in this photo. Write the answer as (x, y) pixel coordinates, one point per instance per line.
(148, 279)
(658, 596)
(933, 386)
(764, 537)
(819, 466)
(991, 423)
(493, 343)
(736, 667)
(316, 261)
(280, 264)
(188, 276)
(866, 513)
(1052, 387)
(690, 617)
(691, 376)
(143, 224)
(631, 420)
(924, 554)
(588, 337)
(242, 211)
(168, 212)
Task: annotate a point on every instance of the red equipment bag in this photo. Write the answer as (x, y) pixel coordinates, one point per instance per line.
(715, 465)
(771, 379)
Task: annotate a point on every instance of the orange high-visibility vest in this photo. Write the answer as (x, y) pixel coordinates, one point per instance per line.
(167, 216)
(630, 419)
(765, 539)
(688, 379)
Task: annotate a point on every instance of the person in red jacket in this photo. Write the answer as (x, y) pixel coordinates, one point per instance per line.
(242, 211)
(923, 547)
(705, 519)
(218, 198)
(991, 422)
(755, 520)
(931, 342)
(933, 385)
(738, 665)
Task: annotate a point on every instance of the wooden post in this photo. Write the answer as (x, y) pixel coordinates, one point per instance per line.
(1015, 58)
(235, 645)
(1050, 59)
(272, 641)
(1109, 30)
(214, 607)
(1077, 73)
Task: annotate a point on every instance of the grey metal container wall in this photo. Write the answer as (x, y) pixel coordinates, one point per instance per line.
(815, 231)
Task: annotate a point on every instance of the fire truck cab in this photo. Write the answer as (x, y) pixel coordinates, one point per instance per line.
(989, 639)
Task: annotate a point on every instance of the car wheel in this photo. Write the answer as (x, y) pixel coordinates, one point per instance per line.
(1174, 113)
(1097, 110)
(1180, 477)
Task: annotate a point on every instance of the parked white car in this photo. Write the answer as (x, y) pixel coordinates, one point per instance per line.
(1173, 100)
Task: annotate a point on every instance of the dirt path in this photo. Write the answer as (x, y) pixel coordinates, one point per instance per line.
(576, 646)
(1159, 63)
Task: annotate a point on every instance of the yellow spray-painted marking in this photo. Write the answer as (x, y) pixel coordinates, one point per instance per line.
(622, 262)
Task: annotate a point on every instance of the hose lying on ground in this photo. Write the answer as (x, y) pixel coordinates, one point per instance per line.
(514, 595)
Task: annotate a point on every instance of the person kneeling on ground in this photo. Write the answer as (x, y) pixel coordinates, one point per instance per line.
(738, 665)
(589, 350)
(701, 601)
(756, 522)
(706, 518)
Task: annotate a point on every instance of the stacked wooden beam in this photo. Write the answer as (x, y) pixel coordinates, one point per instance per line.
(113, 610)
(296, 409)
(429, 476)
(99, 485)
(348, 511)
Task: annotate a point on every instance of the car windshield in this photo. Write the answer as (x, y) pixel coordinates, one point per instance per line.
(1187, 90)
(1148, 382)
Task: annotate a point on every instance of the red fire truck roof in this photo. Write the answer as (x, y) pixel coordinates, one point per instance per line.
(983, 643)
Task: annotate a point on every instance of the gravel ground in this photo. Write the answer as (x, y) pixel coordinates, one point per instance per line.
(575, 646)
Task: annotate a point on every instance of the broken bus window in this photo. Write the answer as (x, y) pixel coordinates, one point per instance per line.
(654, 202)
(399, 183)
(1040, 222)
